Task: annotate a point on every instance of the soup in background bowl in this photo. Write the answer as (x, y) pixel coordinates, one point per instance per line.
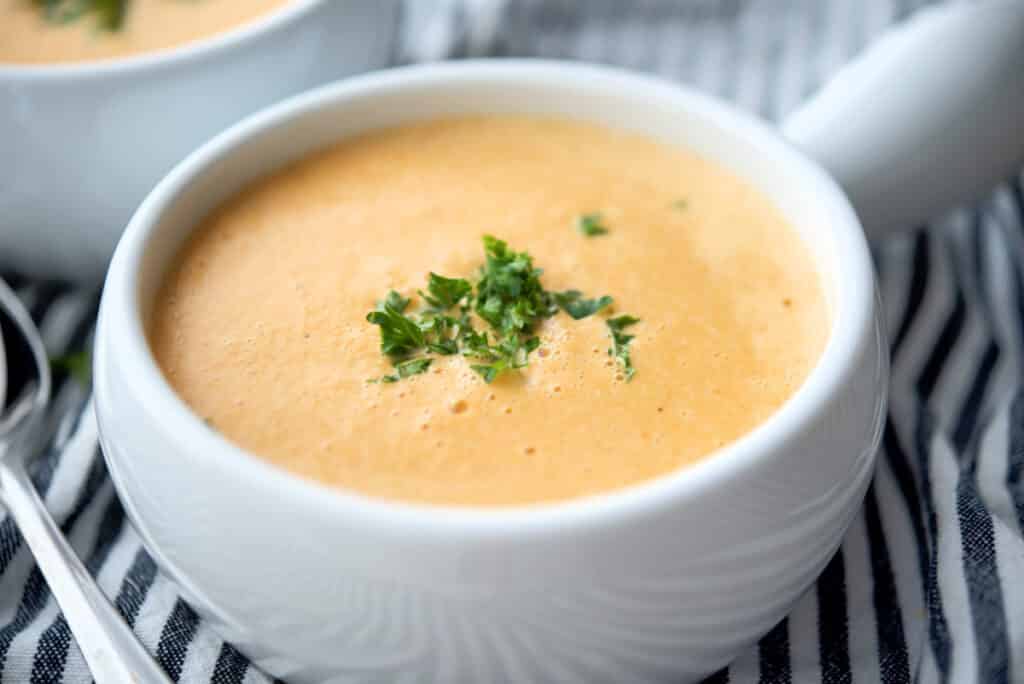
(663, 579)
(34, 32)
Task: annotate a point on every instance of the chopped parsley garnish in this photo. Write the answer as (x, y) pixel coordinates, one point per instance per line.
(591, 225)
(76, 364)
(620, 343)
(110, 14)
(508, 297)
(574, 304)
(681, 204)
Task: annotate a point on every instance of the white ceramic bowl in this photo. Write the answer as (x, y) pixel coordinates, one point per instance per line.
(82, 144)
(664, 581)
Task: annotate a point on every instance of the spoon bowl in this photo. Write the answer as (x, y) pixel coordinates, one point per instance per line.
(3, 373)
(24, 373)
(108, 645)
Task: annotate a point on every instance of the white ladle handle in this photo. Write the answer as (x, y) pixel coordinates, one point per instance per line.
(928, 118)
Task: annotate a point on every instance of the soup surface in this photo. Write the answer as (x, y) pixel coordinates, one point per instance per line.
(27, 37)
(261, 326)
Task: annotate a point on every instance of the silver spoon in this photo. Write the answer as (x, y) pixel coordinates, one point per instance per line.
(110, 648)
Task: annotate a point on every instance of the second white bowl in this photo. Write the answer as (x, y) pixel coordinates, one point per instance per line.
(82, 144)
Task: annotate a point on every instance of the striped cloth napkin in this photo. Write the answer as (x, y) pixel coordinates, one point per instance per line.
(929, 583)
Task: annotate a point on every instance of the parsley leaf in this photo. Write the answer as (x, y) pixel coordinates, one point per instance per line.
(621, 341)
(396, 301)
(509, 353)
(488, 372)
(406, 369)
(477, 345)
(444, 293)
(573, 303)
(591, 225)
(444, 347)
(399, 334)
(110, 14)
(441, 334)
(76, 364)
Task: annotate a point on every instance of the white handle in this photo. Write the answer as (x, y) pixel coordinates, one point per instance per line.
(930, 117)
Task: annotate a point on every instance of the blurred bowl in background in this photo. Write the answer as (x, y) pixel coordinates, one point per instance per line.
(81, 144)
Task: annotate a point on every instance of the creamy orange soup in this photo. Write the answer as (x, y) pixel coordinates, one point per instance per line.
(26, 37)
(262, 328)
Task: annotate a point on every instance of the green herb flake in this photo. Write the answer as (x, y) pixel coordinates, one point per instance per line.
(110, 14)
(444, 347)
(405, 369)
(441, 334)
(509, 353)
(396, 302)
(591, 225)
(444, 293)
(620, 343)
(573, 303)
(413, 367)
(399, 334)
(488, 372)
(76, 364)
(681, 204)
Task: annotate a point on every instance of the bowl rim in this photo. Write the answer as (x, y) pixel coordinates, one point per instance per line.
(181, 54)
(853, 322)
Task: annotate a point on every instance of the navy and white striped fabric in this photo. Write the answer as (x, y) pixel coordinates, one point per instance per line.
(929, 584)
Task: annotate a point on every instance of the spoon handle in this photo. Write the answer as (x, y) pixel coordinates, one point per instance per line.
(110, 648)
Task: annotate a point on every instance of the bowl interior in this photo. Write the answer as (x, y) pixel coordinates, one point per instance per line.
(811, 202)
